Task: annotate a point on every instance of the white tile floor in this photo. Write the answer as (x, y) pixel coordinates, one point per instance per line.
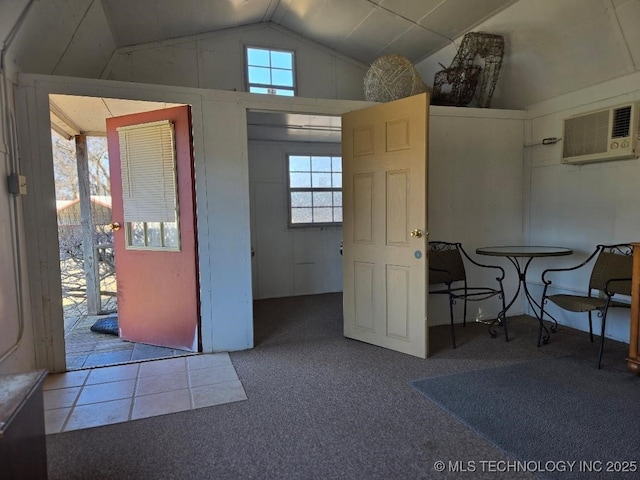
(101, 396)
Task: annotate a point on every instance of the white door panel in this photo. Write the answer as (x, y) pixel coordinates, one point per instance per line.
(384, 198)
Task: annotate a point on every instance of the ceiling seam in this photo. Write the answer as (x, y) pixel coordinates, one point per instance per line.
(622, 35)
(273, 7)
(106, 106)
(73, 36)
(363, 20)
(110, 22)
(407, 19)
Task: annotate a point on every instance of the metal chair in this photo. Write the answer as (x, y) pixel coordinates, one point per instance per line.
(611, 275)
(447, 267)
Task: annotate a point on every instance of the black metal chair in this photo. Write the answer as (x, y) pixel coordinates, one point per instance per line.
(447, 267)
(611, 275)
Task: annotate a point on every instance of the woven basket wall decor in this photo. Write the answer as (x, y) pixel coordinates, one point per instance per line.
(455, 86)
(392, 77)
(458, 84)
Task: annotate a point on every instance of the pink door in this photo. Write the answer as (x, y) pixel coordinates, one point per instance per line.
(155, 248)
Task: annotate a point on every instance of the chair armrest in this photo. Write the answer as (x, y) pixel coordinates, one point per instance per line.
(608, 292)
(547, 281)
(483, 265)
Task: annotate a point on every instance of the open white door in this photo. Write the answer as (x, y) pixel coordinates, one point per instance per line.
(384, 151)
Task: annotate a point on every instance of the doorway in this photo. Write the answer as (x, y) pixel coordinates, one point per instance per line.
(294, 206)
(81, 121)
(294, 256)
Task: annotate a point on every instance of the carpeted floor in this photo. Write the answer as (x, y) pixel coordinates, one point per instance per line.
(546, 410)
(320, 406)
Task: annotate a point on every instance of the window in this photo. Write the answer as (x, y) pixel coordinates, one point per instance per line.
(315, 190)
(149, 192)
(270, 71)
(152, 235)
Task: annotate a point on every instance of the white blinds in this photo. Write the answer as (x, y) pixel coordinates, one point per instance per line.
(148, 163)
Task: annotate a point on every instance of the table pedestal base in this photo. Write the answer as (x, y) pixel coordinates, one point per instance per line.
(513, 254)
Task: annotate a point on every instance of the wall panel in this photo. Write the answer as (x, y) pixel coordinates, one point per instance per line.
(580, 206)
(216, 61)
(288, 261)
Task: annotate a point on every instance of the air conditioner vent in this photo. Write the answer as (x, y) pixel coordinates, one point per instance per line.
(586, 134)
(621, 122)
(602, 135)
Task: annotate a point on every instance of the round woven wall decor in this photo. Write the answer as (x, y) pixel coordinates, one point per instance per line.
(392, 77)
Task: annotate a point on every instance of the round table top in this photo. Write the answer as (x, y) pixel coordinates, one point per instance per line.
(524, 251)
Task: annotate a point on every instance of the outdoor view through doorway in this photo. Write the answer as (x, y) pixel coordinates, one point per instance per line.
(84, 215)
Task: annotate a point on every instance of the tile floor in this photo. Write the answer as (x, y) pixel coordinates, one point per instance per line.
(101, 396)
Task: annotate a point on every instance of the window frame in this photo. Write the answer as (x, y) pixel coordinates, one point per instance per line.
(290, 189)
(249, 84)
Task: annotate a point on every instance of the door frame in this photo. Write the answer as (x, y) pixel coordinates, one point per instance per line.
(147, 107)
(225, 304)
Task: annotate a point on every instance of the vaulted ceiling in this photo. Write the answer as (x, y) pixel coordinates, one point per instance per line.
(56, 30)
(362, 29)
(552, 47)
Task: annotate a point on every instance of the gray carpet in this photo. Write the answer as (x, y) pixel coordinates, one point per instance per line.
(319, 406)
(548, 410)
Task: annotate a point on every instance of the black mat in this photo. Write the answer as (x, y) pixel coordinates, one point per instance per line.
(532, 410)
(106, 325)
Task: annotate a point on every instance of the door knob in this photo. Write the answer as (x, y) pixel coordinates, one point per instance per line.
(115, 226)
(417, 233)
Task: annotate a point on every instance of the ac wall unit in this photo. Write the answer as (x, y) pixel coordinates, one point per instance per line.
(602, 135)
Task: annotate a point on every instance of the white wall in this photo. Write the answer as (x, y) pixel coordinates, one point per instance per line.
(288, 261)
(476, 193)
(581, 206)
(16, 341)
(17, 351)
(216, 61)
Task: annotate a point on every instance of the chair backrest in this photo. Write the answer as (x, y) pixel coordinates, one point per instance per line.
(445, 256)
(613, 262)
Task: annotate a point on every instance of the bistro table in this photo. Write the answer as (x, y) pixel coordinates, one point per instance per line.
(521, 256)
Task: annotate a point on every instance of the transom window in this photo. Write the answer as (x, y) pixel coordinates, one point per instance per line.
(315, 190)
(270, 71)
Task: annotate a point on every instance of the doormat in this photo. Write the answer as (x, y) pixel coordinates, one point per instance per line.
(106, 325)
